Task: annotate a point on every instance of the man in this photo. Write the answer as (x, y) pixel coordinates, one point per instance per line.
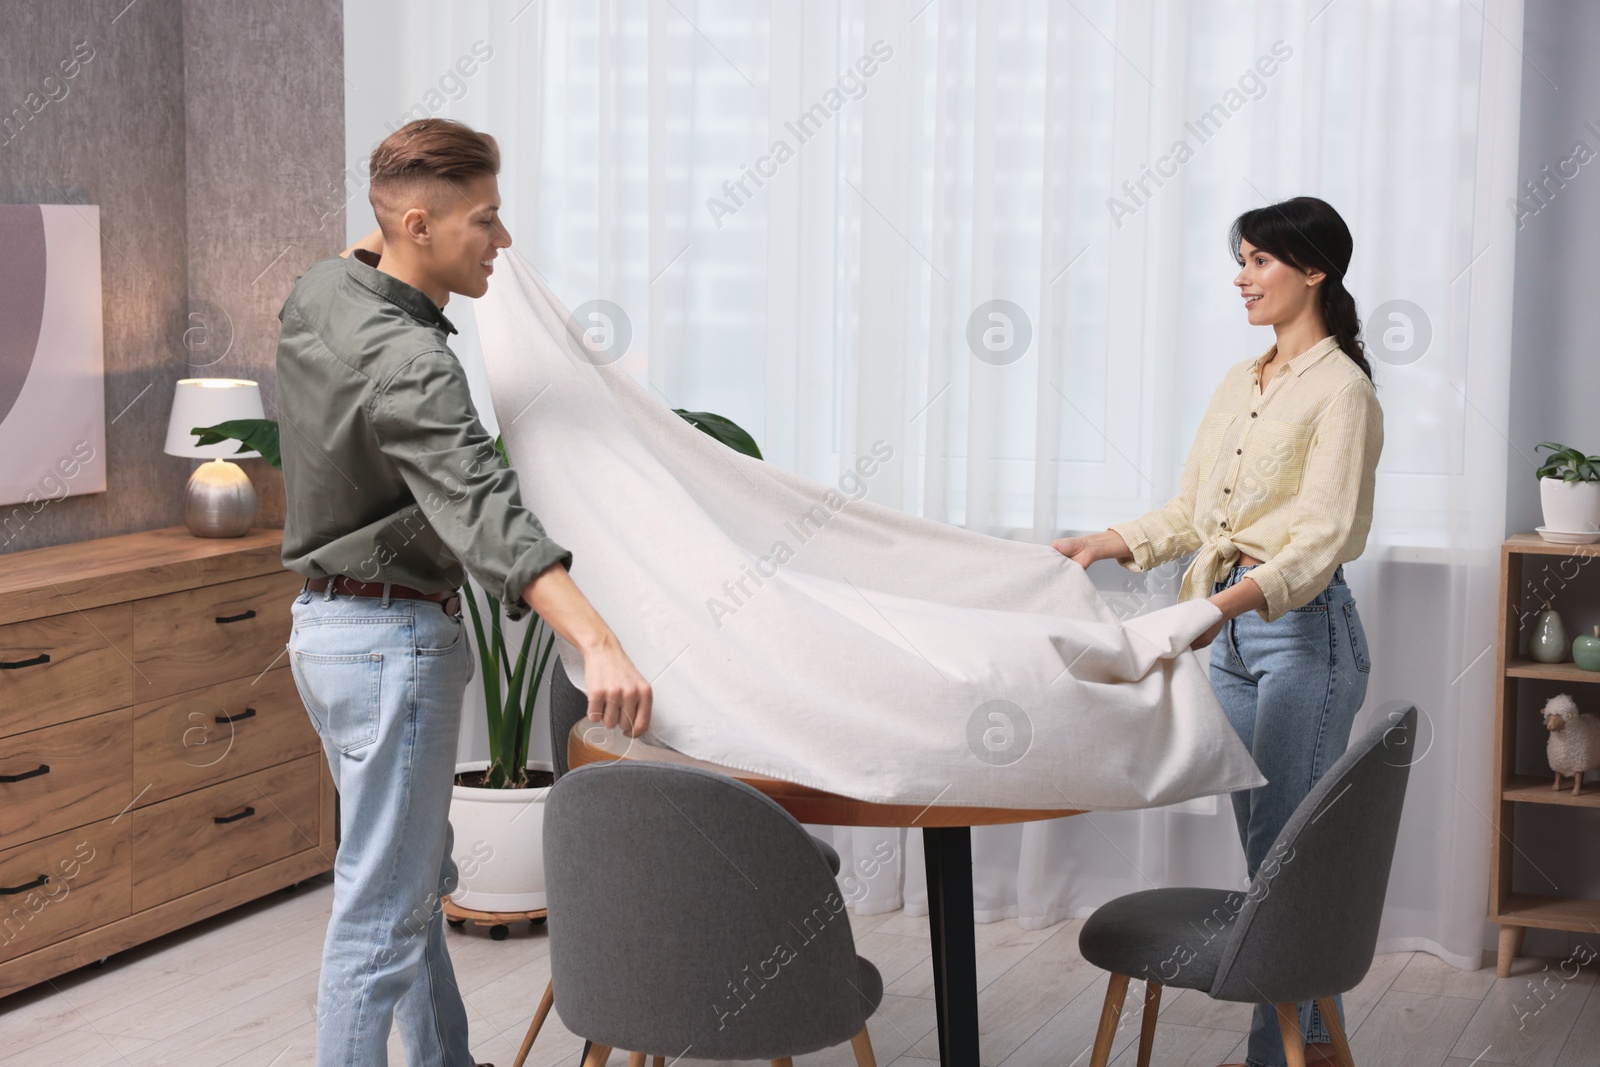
(393, 486)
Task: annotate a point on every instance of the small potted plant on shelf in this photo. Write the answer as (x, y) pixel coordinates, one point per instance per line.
(1569, 491)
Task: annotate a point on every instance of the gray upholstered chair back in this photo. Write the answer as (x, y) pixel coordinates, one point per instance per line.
(688, 912)
(568, 704)
(1309, 923)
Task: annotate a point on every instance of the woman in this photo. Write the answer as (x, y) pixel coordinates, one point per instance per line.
(1275, 496)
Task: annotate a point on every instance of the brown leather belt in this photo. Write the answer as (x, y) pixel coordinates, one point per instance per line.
(449, 602)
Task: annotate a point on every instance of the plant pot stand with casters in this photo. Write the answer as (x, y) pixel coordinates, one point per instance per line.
(498, 922)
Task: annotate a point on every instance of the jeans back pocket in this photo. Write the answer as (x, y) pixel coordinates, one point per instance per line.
(343, 695)
(1358, 637)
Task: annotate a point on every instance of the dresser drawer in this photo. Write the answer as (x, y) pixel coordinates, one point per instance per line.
(179, 845)
(196, 739)
(63, 885)
(65, 667)
(199, 637)
(69, 775)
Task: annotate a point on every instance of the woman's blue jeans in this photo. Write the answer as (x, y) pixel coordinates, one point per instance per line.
(1291, 688)
(383, 684)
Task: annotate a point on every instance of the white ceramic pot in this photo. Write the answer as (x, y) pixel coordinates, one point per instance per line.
(499, 844)
(1570, 507)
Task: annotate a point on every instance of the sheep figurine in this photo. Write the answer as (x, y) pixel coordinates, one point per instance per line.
(1574, 745)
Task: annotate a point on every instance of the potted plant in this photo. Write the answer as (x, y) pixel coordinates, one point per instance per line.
(497, 806)
(1569, 491)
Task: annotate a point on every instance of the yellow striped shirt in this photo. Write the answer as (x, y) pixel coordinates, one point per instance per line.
(1285, 476)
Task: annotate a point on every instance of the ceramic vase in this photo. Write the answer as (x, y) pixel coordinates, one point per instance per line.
(1549, 641)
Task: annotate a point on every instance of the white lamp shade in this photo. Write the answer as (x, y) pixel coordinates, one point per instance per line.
(206, 402)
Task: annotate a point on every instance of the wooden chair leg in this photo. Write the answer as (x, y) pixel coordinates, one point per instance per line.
(1110, 1012)
(786, 1061)
(1147, 1028)
(1294, 1049)
(598, 1055)
(1330, 1019)
(534, 1027)
(635, 1059)
(862, 1045)
(659, 1061)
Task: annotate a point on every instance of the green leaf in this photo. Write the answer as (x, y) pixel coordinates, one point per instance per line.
(721, 429)
(511, 725)
(1567, 463)
(253, 435)
(533, 693)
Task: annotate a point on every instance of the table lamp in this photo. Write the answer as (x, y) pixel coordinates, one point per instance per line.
(220, 501)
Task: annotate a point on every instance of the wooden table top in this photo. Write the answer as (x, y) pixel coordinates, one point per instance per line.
(590, 743)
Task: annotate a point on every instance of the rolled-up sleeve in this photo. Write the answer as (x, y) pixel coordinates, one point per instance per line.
(423, 419)
(1167, 532)
(1332, 512)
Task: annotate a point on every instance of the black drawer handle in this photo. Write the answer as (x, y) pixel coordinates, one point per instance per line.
(245, 814)
(43, 657)
(10, 891)
(238, 618)
(43, 768)
(247, 713)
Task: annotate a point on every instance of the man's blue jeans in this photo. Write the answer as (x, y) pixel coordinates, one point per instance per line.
(1291, 688)
(383, 684)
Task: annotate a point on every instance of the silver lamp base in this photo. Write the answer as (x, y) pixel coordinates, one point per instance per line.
(220, 500)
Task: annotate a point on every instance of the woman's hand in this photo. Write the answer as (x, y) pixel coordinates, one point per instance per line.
(1085, 550)
(1210, 635)
(1244, 595)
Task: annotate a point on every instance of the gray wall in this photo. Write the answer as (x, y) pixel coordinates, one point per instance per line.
(1555, 388)
(211, 136)
(1555, 391)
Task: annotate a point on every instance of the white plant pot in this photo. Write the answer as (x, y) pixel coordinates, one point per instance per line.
(1570, 507)
(499, 844)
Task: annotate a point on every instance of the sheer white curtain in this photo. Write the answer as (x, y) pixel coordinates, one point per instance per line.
(804, 215)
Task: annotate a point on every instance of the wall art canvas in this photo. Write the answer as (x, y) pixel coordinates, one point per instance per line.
(52, 359)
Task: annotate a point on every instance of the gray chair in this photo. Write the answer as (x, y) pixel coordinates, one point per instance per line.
(1304, 930)
(690, 913)
(568, 705)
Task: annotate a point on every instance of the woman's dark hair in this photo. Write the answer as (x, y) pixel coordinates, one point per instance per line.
(1309, 235)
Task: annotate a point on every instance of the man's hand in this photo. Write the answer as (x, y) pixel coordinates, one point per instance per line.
(1085, 550)
(618, 693)
(372, 242)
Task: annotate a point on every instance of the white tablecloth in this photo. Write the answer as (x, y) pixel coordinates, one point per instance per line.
(800, 631)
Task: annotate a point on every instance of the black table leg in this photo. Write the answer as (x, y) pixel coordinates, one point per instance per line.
(947, 850)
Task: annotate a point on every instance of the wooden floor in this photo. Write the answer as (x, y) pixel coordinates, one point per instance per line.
(240, 989)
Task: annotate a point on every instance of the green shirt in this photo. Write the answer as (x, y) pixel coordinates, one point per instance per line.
(388, 474)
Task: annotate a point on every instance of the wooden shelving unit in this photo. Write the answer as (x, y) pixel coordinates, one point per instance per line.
(1514, 911)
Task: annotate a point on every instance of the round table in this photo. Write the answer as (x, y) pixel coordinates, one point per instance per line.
(947, 853)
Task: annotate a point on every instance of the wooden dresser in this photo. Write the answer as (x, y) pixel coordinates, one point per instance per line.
(156, 764)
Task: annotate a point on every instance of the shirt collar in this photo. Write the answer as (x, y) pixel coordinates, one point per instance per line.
(362, 266)
(1304, 361)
